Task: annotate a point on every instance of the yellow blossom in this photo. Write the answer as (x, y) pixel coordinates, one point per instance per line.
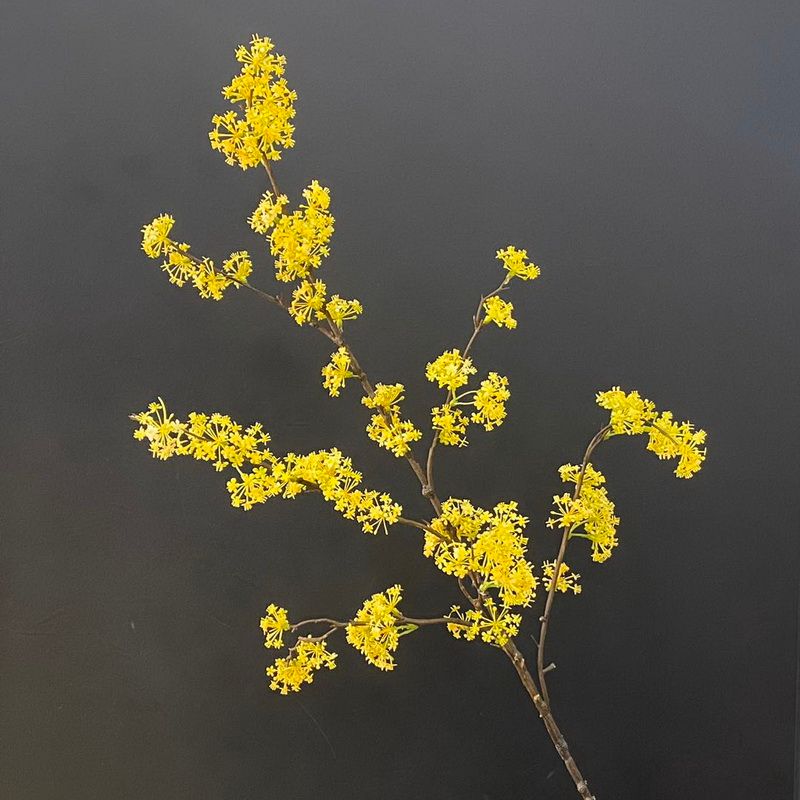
(181, 266)
(155, 235)
(632, 414)
(386, 428)
(209, 283)
(290, 673)
(308, 302)
(339, 309)
(669, 439)
(590, 515)
(374, 631)
(517, 264)
(451, 424)
(490, 401)
(450, 370)
(466, 539)
(165, 433)
(266, 213)
(218, 439)
(265, 128)
(274, 624)
(392, 433)
(299, 241)
(499, 312)
(495, 625)
(387, 396)
(337, 371)
(238, 267)
(567, 581)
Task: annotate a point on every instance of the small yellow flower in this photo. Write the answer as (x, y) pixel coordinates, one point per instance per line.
(308, 302)
(267, 212)
(155, 235)
(274, 624)
(238, 267)
(517, 264)
(451, 424)
(499, 312)
(290, 673)
(337, 371)
(339, 309)
(374, 630)
(567, 581)
(450, 370)
(490, 401)
(386, 396)
(167, 435)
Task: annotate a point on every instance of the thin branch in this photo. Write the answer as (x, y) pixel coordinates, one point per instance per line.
(545, 618)
(271, 177)
(477, 326)
(402, 619)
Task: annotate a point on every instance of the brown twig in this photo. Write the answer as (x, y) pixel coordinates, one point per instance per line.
(545, 618)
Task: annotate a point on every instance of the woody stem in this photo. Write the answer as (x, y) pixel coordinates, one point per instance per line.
(545, 618)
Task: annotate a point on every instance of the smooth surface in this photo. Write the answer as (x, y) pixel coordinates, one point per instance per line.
(647, 156)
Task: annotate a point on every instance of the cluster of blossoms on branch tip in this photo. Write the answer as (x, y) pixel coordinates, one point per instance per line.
(484, 550)
(261, 126)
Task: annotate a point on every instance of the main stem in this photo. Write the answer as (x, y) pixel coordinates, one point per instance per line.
(425, 477)
(559, 742)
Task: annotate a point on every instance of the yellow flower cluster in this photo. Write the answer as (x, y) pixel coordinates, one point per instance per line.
(326, 471)
(386, 428)
(288, 674)
(217, 438)
(492, 624)
(516, 262)
(592, 511)
(374, 631)
(451, 371)
(450, 423)
(274, 624)
(308, 302)
(499, 312)
(212, 437)
(468, 540)
(632, 414)
(267, 212)
(267, 106)
(490, 401)
(669, 439)
(336, 372)
(298, 241)
(567, 581)
(182, 267)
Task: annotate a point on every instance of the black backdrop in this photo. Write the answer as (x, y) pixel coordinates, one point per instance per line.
(647, 156)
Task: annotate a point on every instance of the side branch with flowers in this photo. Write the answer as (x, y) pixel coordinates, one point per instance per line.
(485, 551)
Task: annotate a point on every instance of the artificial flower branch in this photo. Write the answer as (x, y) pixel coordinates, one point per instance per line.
(484, 550)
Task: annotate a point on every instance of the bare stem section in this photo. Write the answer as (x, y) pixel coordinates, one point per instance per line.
(559, 742)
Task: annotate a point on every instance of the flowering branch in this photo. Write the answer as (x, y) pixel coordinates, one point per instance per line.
(545, 618)
(483, 550)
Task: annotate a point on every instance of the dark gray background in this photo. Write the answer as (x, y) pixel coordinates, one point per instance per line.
(647, 156)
